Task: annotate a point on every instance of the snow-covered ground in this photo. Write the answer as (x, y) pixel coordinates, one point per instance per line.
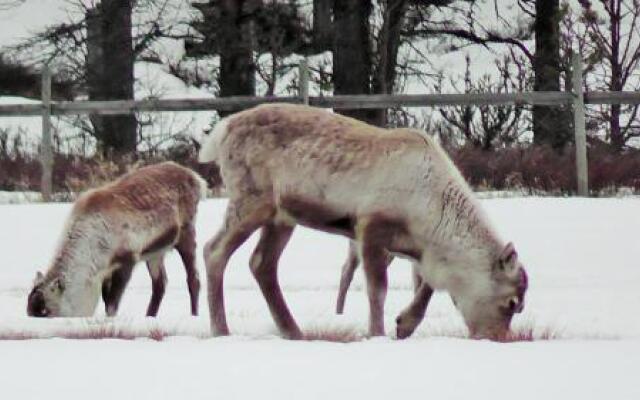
(582, 258)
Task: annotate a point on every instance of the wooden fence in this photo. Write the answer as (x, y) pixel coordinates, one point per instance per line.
(575, 97)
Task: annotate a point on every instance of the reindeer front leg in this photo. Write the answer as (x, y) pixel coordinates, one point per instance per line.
(348, 269)
(374, 235)
(410, 317)
(113, 287)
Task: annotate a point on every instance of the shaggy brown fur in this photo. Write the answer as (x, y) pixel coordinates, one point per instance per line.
(138, 217)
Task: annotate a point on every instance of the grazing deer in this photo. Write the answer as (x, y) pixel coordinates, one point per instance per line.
(397, 194)
(139, 217)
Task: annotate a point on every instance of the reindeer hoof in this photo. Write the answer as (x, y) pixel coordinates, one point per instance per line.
(405, 326)
(215, 332)
(293, 335)
(111, 311)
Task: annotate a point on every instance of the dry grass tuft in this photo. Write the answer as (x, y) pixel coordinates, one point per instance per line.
(18, 336)
(336, 335)
(97, 332)
(157, 334)
(529, 334)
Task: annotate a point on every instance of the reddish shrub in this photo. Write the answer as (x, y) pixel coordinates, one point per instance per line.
(538, 169)
(532, 169)
(73, 174)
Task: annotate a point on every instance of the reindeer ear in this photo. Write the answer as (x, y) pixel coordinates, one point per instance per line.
(38, 279)
(508, 258)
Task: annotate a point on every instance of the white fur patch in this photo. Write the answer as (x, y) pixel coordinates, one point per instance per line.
(209, 149)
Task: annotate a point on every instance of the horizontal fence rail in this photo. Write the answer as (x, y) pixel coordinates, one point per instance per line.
(575, 98)
(335, 102)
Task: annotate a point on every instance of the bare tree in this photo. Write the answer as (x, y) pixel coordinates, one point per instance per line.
(96, 50)
(387, 45)
(250, 37)
(279, 32)
(322, 29)
(613, 29)
(551, 124)
(487, 127)
(352, 52)
(110, 60)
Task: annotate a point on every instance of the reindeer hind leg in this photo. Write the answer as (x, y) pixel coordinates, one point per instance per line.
(158, 275)
(264, 266)
(242, 218)
(186, 247)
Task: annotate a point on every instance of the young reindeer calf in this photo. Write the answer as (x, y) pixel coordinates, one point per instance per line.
(394, 193)
(139, 217)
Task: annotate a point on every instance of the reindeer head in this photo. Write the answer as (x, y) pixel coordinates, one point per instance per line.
(488, 302)
(60, 297)
(45, 297)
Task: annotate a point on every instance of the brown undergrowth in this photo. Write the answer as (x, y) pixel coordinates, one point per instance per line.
(533, 170)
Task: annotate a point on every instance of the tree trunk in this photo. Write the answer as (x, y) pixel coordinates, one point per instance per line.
(322, 25)
(352, 52)
(95, 70)
(615, 131)
(617, 138)
(551, 125)
(237, 68)
(110, 75)
(388, 46)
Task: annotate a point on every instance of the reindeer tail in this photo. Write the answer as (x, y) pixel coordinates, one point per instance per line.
(209, 150)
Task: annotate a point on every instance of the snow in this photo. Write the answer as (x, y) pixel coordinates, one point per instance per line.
(19, 23)
(270, 369)
(581, 256)
(31, 126)
(19, 197)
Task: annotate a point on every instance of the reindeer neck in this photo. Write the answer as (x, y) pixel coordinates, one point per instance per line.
(462, 221)
(83, 254)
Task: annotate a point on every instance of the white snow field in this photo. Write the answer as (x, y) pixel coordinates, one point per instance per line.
(581, 255)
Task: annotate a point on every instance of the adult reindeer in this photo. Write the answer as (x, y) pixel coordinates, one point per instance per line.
(393, 193)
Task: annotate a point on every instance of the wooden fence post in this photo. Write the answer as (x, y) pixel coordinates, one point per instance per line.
(304, 81)
(46, 151)
(579, 126)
